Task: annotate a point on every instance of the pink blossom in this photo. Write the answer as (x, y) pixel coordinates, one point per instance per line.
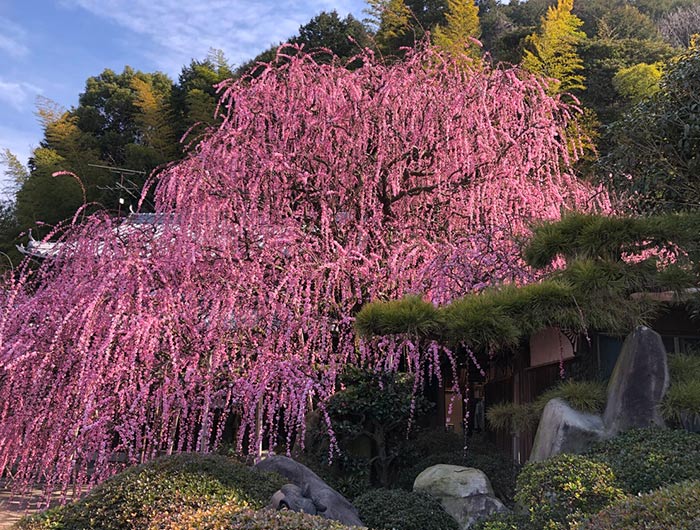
(322, 189)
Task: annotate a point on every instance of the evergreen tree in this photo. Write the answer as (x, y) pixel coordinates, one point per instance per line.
(194, 97)
(655, 157)
(121, 120)
(392, 19)
(552, 51)
(462, 27)
(345, 38)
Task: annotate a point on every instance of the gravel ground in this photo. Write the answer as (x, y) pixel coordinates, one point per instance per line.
(14, 507)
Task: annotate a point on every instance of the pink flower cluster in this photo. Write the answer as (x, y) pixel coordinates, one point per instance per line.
(324, 188)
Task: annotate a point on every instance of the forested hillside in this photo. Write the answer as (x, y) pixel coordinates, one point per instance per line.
(631, 66)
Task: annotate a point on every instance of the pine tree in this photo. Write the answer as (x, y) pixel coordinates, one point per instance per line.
(552, 51)
(462, 27)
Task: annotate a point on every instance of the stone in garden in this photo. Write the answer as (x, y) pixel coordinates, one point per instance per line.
(464, 492)
(563, 429)
(328, 502)
(638, 383)
(292, 497)
(468, 511)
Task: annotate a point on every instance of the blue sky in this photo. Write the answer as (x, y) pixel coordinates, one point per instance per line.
(49, 48)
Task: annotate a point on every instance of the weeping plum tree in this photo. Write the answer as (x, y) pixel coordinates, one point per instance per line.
(322, 189)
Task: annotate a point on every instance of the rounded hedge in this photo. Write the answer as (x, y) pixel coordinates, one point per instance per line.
(503, 521)
(231, 516)
(385, 509)
(167, 486)
(675, 506)
(564, 489)
(647, 459)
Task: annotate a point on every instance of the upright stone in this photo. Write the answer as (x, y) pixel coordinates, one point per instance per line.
(638, 383)
(563, 429)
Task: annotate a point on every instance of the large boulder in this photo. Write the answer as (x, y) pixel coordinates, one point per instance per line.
(292, 497)
(464, 492)
(563, 429)
(327, 502)
(638, 383)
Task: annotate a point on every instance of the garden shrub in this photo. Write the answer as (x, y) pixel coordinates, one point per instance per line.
(676, 506)
(408, 475)
(384, 509)
(565, 488)
(428, 448)
(432, 441)
(374, 406)
(646, 459)
(228, 516)
(136, 497)
(684, 367)
(501, 470)
(585, 396)
(348, 475)
(511, 417)
(683, 397)
(503, 521)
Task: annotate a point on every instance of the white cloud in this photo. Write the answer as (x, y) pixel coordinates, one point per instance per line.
(185, 30)
(11, 39)
(18, 94)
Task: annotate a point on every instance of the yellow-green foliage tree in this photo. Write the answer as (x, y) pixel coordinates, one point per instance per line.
(392, 19)
(154, 119)
(638, 82)
(552, 50)
(462, 27)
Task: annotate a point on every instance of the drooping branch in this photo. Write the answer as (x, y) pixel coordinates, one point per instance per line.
(323, 189)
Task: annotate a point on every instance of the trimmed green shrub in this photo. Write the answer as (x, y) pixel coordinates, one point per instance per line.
(370, 418)
(646, 459)
(503, 521)
(384, 509)
(136, 497)
(564, 489)
(433, 441)
(676, 506)
(501, 470)
(228, 516)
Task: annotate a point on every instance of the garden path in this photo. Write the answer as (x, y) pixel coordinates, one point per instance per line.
(14, 507)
